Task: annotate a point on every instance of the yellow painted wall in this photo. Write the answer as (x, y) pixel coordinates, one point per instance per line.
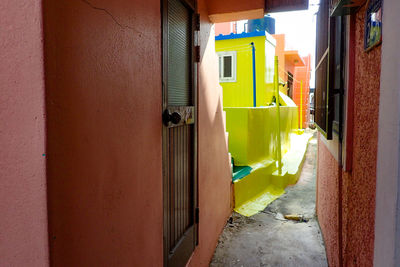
(240, 93)
(252, 132)
(269, 69)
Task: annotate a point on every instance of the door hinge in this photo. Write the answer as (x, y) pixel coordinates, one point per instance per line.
(197, 53)
(197, 215)
(197, 22)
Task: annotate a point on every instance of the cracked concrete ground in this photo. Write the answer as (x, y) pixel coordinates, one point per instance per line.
(267, 239)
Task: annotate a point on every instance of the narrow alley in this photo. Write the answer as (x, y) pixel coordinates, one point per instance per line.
(175, 133)
(267, 238)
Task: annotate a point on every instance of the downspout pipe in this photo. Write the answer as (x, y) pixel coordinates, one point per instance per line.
(253, 49)
(301, 104)
(278, 115)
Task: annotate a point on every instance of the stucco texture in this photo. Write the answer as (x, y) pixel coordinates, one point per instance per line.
(103, 96)
(327, 201)
(359, 185)
(23, 212)
(214, 166)
(103, 85)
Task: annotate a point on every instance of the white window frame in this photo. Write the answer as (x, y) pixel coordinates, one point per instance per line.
(221, 55)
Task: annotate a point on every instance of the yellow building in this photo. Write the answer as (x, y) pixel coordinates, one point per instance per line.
(267, 151)
(239, 55)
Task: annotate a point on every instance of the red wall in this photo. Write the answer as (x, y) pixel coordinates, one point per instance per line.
(103, 86)
(23, 212)
(359, 185)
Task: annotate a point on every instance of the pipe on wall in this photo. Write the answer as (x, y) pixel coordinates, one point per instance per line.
(253, 50)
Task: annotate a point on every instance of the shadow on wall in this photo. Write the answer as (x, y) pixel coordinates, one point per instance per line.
(214, 166)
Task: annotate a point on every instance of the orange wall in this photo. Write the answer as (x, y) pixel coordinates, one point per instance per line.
(359, 185)
(23, 209)
(103, 84)
(303, 74)
(280, 52)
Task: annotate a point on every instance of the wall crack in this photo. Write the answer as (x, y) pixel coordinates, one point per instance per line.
(122, 26)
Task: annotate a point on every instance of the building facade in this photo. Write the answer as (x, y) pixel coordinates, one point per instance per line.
(246, 64)
(350, 198)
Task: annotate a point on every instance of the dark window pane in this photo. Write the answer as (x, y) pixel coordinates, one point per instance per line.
(220, 66)
(322, 30)
(321, 94)
(179, 54)
(227, 67)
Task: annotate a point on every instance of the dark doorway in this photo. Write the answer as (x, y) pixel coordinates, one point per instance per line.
(179, 131)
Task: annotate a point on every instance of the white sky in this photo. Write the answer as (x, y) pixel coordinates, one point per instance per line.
(299, 27)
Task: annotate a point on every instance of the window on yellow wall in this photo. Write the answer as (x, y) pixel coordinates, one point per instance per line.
(227, 66)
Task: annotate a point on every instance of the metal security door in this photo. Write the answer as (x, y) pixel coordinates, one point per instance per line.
(179, 132)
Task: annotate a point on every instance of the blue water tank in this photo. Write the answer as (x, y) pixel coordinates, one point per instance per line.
(265, 24)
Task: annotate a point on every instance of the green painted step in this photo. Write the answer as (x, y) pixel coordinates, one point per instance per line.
(240, 171)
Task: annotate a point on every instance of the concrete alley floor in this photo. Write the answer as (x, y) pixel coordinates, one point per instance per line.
(267, 239)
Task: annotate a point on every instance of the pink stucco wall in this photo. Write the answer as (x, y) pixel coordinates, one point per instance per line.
(327, 201)
(214, 167)
(359, 185)
(362, 185)
(103, 86)
(23, 213)
(103, 90)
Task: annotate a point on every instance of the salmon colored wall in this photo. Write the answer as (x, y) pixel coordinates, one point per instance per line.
(103, 86)
(280, 52)
(362, 186)
(359, 186)
(23, 212)
(289, 67)
(223, 28)
(104, 135)
(327, 201)
(303, 74)
(221, 6)
(215, 177)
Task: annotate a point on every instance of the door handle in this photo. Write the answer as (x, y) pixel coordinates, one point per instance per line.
(174, 118)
